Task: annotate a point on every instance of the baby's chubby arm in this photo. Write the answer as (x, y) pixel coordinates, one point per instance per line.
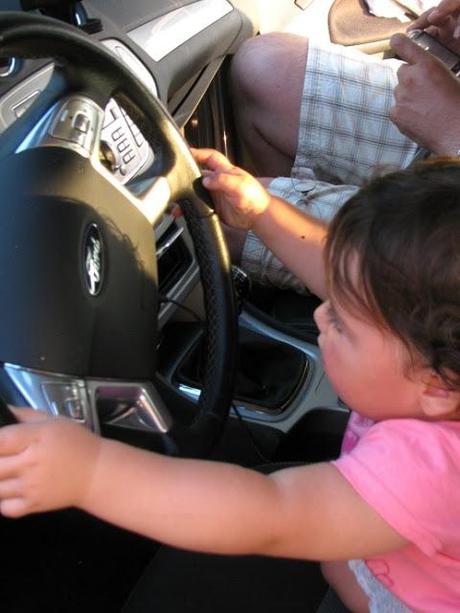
(241, 201)
(305, 512)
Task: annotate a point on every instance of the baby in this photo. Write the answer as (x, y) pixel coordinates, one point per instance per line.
(383, 518)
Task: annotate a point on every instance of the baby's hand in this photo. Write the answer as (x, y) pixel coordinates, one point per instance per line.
(238, 197)
(45, 464)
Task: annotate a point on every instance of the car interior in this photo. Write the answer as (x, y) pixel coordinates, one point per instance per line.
(126, 317)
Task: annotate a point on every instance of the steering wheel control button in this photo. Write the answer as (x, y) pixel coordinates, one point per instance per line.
(117, 134)
(93, 260)
(77, 122)
(126, 141)
(123, 145)
(82, 123)
(129, 157)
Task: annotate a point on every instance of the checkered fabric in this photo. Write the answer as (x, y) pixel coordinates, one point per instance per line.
(345, 137)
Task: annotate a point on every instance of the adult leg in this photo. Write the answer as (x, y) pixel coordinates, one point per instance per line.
(345, 132)
(291, 109)
(267, 77)
(344, 135)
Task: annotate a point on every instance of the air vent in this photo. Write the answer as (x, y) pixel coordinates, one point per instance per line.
(80, 18)
(173, 258)
(9, 66)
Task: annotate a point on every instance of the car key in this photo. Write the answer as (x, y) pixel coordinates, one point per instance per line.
(7, 416)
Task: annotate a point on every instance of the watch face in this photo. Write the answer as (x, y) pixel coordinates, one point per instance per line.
(93, 260)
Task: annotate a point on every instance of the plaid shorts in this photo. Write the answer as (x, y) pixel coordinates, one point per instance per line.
(345, 137)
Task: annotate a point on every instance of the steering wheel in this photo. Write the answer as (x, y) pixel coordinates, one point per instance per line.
(79, 287)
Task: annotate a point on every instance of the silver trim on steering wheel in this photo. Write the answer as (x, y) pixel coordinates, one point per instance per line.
(131, 404)
(74, 123)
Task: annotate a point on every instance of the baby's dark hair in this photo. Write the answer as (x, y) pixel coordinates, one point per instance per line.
(403, 232)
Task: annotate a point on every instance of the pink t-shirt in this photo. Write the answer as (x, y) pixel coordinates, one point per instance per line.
(409, 472)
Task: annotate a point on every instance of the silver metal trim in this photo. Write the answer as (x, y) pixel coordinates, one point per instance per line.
(10, 68)
(146, 410)
(191, 392)
(33, 386)
(21, 95)
(133, 63)
(58, 127)
(315, 392)
(164, 34)
(21, 107)
(79, 15)
(171, 240)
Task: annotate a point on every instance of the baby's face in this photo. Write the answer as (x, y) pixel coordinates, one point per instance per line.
(367, 365)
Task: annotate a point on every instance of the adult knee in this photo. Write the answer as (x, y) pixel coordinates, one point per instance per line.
(268, 76)
(257, 61)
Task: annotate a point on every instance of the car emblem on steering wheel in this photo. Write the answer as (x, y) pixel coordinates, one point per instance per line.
(93, 260)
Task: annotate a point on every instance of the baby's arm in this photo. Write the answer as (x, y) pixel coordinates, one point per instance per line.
(305, 512)
(241, 201)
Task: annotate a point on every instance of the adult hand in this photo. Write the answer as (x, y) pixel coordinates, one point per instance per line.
(45, 464)
(442, 21)
(427, 99)
(238, 197)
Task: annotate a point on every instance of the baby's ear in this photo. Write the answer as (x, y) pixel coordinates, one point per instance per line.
(437, 399)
